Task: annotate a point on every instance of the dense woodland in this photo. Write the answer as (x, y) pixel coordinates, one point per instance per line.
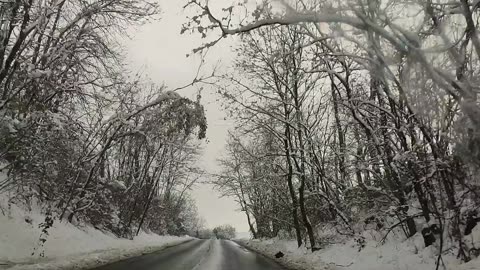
(81, 136)
(352, 115)
(348, 115)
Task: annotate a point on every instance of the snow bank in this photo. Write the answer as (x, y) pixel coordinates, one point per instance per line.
(392, 255)
(67, 246)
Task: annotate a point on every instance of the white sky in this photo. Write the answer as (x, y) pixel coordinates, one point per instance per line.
(160, 51)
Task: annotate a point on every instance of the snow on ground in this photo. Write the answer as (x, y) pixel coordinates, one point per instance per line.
(295, 258)
(409, 254)
(67, 246)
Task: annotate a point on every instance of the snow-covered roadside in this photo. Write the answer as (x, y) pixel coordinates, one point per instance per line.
(410, 254)
(67, 246)
(96, 258)
(294, 258)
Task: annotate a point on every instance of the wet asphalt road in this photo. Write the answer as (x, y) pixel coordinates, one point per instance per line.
(198, 255)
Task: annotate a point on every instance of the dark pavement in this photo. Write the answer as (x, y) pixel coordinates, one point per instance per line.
(208, 254)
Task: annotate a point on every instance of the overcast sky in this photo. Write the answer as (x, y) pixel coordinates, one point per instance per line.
(160, 51)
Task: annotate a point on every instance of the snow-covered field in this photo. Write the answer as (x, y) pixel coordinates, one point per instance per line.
(67, 246)
(395, 254)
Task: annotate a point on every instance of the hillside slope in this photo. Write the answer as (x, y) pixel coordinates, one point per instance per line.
(66, 246)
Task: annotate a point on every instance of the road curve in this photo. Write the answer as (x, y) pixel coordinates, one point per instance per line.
(208, 254)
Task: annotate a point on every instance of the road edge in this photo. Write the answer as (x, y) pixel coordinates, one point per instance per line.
(284, 262)
(88, 261)
(147, 251)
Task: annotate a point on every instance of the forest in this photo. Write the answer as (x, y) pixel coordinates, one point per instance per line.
(82, 136)
(348, 116)
(352, 115)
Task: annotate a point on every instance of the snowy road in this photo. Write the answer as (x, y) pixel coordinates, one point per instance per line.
(198, 255)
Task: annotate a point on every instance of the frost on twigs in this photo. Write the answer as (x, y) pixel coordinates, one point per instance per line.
(213, 25)
(44, 226)
(80, 135)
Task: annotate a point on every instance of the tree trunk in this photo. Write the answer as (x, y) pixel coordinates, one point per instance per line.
(293, 196)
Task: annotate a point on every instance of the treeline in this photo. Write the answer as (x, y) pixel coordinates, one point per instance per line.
(219, 232)
(224, 232)
(78, 136)
(354, 113)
